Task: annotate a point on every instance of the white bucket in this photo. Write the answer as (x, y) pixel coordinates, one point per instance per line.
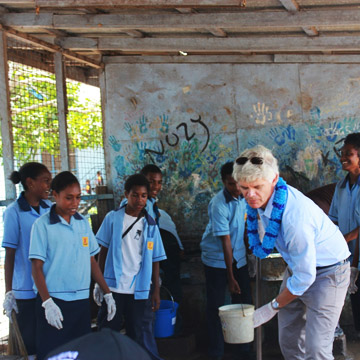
(237, 323)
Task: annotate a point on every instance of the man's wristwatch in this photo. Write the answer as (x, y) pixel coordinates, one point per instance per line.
(275, 305)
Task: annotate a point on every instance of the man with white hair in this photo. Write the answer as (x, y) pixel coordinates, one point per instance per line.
(315, 282)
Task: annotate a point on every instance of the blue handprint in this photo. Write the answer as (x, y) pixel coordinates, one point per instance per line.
(332, 131)
(141, 147)
(164, 124)
(142, 124)
(278, 138)
(128, 128)
(115, 144)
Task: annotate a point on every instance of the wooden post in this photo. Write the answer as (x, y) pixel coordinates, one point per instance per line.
(62, 110)
(6, 125)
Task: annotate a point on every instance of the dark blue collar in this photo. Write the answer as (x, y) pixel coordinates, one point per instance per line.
(346, 180)
(55, 218)
(148, 218)
(228, 196)
(25, 206)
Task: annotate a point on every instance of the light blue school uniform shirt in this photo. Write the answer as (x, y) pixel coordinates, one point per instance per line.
(110, 236)
(19, 217)
(345, 208)
(226, 217)
(307, 239)
(166, 223)
(66, 249)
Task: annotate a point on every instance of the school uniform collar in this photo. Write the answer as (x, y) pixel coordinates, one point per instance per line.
(229, 197)
(347, 179)
(25, 206)
(148, 218)
(55, 218)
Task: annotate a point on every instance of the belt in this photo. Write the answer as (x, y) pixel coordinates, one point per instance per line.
(342, 262)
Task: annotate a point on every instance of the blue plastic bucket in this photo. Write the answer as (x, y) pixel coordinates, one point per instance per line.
(166, 319)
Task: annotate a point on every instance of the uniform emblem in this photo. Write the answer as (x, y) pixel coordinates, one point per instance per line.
(85, 241)
(150, 245)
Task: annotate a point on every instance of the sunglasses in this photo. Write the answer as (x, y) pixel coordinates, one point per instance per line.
(254, 160)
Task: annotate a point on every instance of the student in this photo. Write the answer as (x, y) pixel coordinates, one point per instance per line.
(62, 250)
(18, 220)
(130, 254)
(170, 238)
(345, 212)
(223, 254)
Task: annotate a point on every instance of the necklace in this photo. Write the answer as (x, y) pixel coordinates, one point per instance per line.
(262, 250)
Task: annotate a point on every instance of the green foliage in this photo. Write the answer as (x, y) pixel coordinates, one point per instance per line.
(34, 114)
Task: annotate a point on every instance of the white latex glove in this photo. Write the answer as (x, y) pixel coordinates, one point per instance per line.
(9, 304)
(53, 313)
(264, 314)
(98, 294)
(111, 306)
(354, 273)
(251, 260)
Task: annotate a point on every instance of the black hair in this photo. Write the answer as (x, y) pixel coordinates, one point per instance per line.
(354, 140)
(136, 180)
(227, 169)
(29, 170)
(150, 168)
(63, 180)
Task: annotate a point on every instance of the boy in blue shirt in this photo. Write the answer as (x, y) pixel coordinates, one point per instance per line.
(345, 212)
(130, 255)
(223, 253)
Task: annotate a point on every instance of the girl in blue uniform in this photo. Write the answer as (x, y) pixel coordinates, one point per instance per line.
(18, 220)
(62, 250)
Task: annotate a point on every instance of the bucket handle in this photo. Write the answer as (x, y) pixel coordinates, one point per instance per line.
(171, 297)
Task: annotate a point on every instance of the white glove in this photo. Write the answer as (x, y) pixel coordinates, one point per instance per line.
(111, 306)
(98, 294)
(264, 314)
(53, 313)
(9, 304)
(251, 260)
(354, 273)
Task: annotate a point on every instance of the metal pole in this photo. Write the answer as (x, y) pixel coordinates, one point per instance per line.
(257, 305)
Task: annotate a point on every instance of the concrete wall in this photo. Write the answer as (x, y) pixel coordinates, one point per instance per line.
(189, 119)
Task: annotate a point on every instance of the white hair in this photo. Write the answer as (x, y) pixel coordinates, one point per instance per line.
(249, 172)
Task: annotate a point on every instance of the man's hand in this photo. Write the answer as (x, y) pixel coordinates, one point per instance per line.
(264, 314)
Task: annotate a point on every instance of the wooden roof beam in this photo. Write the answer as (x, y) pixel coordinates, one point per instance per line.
(127, 3)
(50, 47)
(191, 44)
(265, 20)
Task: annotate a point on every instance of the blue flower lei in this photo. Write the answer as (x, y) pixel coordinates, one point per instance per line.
(272, 230)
